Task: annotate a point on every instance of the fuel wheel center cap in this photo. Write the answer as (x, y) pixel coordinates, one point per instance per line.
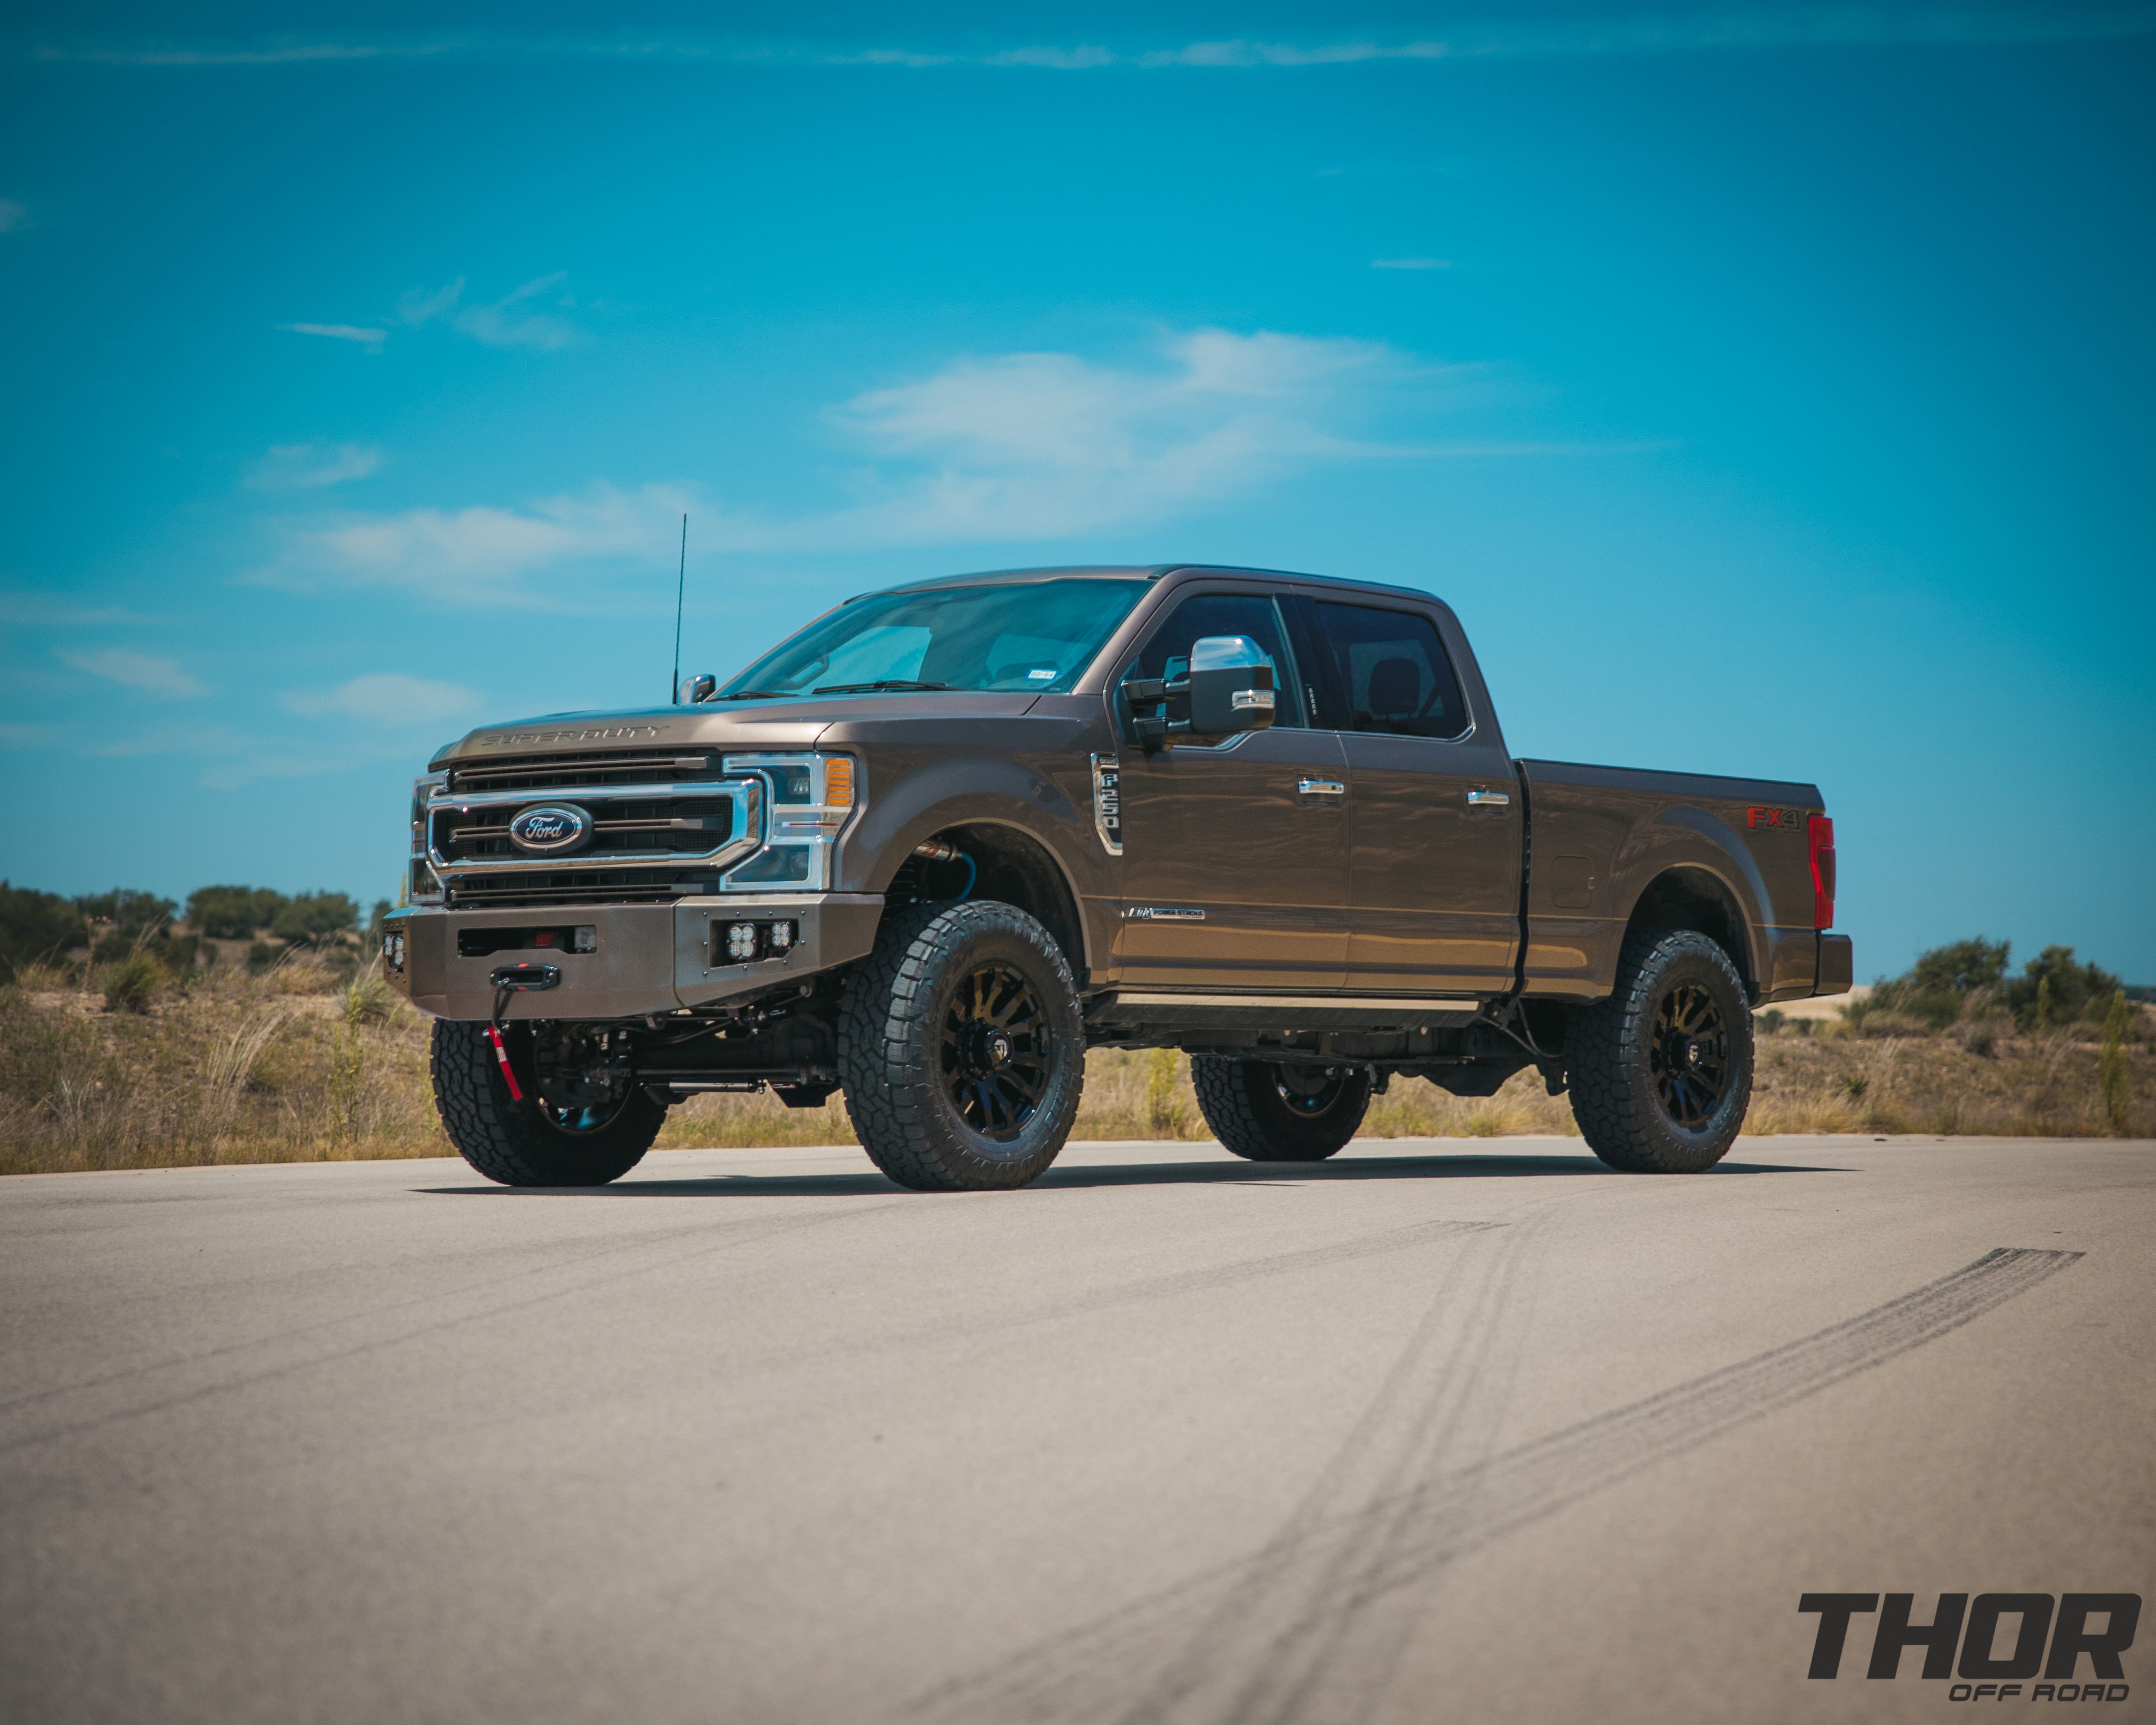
(999, 1049)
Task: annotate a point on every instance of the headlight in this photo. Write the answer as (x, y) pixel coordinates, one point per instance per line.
(421, 886)
(812, 798)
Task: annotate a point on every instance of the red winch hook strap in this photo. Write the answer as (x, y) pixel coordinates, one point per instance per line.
(501, 1053)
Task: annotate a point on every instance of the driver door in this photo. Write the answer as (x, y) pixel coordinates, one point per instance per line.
(1234, 869)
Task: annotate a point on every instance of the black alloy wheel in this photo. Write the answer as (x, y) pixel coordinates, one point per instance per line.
(1660, 1072)
(1280, 1110)
(1313, 1093)
(995, 1052)
(962, 1048)
(524, 1113)
(1689, 1055)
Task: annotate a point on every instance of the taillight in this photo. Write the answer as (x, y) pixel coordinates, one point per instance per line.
(1821, 830)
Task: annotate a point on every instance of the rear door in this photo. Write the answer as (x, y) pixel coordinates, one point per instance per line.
(1234, 865)
(1434, 857)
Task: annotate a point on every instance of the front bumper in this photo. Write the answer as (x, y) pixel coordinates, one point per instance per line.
(646, 959)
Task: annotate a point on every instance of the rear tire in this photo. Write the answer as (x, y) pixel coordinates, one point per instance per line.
(1660, 1072)
(1270, 1111)
(962, 1048)
(524, 1142)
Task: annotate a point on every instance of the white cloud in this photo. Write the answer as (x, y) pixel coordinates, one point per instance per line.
(509, 322)
(386, 698)
(371, 339)
(1409, 263)
(1009, 448)
(150, 673)
(306, 467)
(12, 215)
(419, 307)
(480, 554)
(13, 735)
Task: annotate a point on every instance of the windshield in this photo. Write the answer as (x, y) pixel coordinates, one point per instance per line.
(1036, 636)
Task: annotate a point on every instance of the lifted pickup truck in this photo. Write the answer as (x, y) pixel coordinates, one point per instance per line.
(936, 846)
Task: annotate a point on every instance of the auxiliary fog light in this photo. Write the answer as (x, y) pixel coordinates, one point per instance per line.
(393, 952)
(782, 936)
(740, 940)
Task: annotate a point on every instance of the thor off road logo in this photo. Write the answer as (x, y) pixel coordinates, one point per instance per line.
(2095, 1628)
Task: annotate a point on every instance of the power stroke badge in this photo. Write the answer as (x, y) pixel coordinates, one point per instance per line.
(2073, 1642)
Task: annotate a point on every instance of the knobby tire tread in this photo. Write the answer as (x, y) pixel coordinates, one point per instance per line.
(1225, 1098)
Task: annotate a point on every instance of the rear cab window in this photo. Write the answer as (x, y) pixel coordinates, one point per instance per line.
(1388, 672)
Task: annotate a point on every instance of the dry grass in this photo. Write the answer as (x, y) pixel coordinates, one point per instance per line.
(305, 1063)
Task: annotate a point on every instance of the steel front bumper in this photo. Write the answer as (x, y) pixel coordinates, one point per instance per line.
(646, 958)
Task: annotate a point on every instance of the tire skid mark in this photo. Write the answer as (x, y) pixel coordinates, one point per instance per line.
(1299, 1627)
(1406, 1537)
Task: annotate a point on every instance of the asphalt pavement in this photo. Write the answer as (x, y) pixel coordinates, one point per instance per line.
(1436, 1430)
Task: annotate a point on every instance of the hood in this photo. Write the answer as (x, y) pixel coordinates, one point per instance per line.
(738, 725)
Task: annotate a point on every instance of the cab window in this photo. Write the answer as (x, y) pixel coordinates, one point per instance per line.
(1168, 652)
(1392, 670)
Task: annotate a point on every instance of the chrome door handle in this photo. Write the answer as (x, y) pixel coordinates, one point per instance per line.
(1321, 787)
(1492, 799)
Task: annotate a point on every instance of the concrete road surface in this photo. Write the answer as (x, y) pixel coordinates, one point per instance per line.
(1437, 1430)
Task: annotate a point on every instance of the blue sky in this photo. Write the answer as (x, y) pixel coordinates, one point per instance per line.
(1767, 388)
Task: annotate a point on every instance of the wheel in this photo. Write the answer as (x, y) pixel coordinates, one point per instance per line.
(581, 1121)
(1661, 1072)
(1271, 1110)
(961, 1048)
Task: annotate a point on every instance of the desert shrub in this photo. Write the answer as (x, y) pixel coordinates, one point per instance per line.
(2054, 989)
(1979, 1036)
(2113, 1079)
(314, 917)
(1771, 1021)
(1164, 1111)
(1960, 967)
(234, 913)
(261, 957)
(36, 926)
(129, 983)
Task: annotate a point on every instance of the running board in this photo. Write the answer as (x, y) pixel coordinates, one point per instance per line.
(1284, 1014)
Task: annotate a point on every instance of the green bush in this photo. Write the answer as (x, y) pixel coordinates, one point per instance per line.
(234, 913)
(261, 957)
(36, 926)
(1960, 968)
(130, 984)
(313, 917)
(2053, 989)
(2113, 1075)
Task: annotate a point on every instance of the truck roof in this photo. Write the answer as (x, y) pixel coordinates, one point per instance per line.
(1137, 572)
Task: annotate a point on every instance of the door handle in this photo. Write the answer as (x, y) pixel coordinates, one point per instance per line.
(1321, 787)
(1491, 799)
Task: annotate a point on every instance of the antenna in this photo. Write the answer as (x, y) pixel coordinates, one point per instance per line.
(681, 586)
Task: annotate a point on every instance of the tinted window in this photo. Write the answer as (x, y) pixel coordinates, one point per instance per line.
(1219, 614)
(1392, 672)
(1034, 637)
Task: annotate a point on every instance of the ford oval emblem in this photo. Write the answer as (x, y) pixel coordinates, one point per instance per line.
(550, 829)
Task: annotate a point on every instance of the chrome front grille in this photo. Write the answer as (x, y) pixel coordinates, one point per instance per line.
(663, 823)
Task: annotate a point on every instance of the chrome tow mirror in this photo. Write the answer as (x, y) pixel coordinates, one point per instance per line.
(700, 687)
(1231, 686)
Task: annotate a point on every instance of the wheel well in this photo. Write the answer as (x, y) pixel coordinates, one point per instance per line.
(1013, 868)
(1694, 899)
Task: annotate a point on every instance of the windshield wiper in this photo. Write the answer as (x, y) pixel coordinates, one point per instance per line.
(748, 694)
(877, 687)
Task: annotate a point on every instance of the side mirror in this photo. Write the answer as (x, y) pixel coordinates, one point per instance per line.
(1231, 686)
(700, 687)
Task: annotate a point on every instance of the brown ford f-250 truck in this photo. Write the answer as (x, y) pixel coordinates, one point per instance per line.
(946, 837)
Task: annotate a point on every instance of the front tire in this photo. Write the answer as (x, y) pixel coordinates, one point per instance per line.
(526, 1142)
(962, 1048)
(1660, 1072)
(1271, 1110)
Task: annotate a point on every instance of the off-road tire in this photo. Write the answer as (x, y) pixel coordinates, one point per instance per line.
(513, 1142)
(1241, 1101)
(1611, 1051)
(892, 1039)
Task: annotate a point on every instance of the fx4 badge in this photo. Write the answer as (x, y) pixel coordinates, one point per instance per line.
(1789, 819)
